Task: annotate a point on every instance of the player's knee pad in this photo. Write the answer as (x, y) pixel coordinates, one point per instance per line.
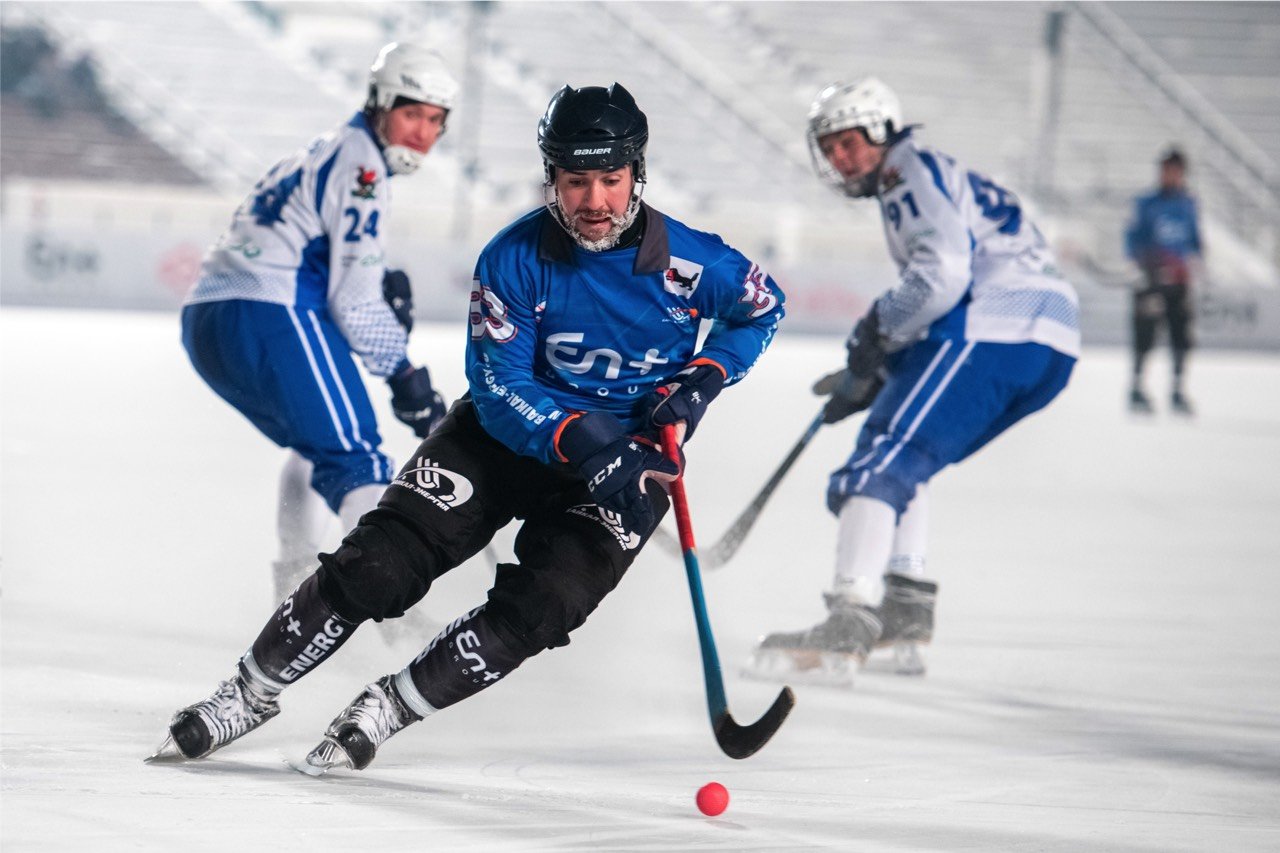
(542, 601)
(379, 571)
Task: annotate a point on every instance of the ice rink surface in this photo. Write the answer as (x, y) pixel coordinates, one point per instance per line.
(1105, 673)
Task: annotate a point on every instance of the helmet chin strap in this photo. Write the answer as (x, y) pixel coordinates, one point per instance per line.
(402, 160)
(863, 187)
(614, 234)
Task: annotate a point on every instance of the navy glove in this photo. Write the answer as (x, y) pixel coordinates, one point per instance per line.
(399, 295)
(616, 467)
(849, 394)
(686, 397)
(866, 346)
(414, 401)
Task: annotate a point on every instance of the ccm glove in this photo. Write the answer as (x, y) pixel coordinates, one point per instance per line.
(414, 401)
(849, 394)
(615, 467)
(686, 397)
(399, 295)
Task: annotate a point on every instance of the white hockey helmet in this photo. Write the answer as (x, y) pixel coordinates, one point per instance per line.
(415, 73)
(868, 104)
(410, 71)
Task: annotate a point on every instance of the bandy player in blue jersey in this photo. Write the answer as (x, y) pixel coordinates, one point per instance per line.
(298, 284)
(979, 331)
(584, 342)
(1163, 239)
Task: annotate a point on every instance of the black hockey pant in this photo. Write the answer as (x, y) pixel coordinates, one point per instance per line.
(459, 488)
(1156, 304)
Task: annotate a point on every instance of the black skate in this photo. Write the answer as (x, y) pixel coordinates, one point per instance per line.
(353, 738)
(1181, 405)
(235, 709)
(829, 653)
(1140, 403)
(907, 615)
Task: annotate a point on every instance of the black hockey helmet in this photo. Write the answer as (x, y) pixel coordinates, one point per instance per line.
(593, 128)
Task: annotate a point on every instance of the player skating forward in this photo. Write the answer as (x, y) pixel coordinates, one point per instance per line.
(582, 315)
(979, 332)
(298, 283)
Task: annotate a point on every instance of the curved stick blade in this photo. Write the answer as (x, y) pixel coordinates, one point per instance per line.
(737, 741)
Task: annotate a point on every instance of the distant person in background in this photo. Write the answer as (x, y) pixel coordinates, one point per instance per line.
(1163, 239)
(979, 331)
(298, 284)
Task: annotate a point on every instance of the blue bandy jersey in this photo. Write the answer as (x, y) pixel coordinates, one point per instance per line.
(556, 329)
(309, 236)
(971, 264)
(1164, 223)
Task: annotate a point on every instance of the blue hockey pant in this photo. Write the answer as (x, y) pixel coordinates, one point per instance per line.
(290, 371)
(943, 401)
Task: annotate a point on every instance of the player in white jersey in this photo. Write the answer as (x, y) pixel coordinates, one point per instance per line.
(979, 331)
(298, 284)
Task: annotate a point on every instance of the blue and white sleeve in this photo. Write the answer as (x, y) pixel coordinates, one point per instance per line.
(747, 307)
(925, 226)
(354, 211)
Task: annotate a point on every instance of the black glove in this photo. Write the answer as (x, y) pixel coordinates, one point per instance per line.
(866, 347)
(849, 394)
(399, 295)
(615, 466)
(414, 401)
(686, 397)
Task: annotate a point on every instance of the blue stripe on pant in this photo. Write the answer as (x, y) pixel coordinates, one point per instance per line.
(290, 372)
(944, 400)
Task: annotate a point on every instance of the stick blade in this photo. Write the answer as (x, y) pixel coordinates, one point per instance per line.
(738, 741)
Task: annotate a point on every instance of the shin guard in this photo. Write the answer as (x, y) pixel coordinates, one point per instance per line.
(463, 659)
(302, 634)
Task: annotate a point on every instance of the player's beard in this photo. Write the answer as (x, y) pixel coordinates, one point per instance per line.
(617, 225)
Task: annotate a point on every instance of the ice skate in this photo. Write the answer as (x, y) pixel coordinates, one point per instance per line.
(1140, 403)
(235, 709)
(907, 615)
(829, 653)
(353, 738)
(1181, 405)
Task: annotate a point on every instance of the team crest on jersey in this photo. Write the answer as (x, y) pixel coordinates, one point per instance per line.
(444, 488)
(890, 178)
(681, 316)
(682, 277)
(366, 183)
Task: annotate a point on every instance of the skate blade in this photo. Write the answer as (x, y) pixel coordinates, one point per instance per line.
(907, 659)
(822, 669)
(167, 752)
(322, 759)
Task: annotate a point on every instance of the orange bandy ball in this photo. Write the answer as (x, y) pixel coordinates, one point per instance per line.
(713, 798)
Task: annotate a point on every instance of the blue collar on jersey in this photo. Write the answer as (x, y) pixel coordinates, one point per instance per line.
(905, 133)
(361, 121)
(654, 254)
